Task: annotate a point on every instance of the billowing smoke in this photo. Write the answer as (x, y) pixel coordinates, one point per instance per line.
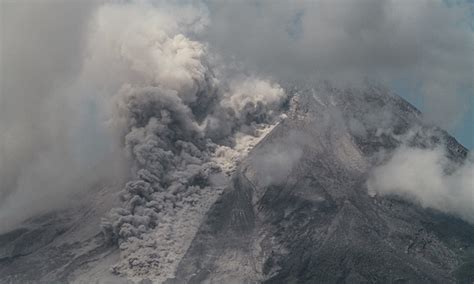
(429, 178)
(174, 107)
(135, 78)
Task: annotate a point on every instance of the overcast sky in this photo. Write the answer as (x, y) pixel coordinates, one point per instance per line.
(422, 49)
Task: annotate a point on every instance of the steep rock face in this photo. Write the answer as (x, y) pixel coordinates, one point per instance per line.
(298, 210)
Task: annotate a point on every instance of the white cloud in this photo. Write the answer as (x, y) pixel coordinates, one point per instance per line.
(420, 175)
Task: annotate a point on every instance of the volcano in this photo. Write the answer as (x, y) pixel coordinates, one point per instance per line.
(296, 209)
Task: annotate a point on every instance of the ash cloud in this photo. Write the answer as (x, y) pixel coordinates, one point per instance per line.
(118, 84)
(173, 106)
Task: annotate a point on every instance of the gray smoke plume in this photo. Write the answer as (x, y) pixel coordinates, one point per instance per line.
(172, 109)
(65, 115)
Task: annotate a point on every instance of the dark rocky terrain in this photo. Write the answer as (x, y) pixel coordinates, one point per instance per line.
(317, 224)
(297, 211)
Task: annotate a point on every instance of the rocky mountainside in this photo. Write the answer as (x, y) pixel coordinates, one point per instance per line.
(296, 210)
(313, 221)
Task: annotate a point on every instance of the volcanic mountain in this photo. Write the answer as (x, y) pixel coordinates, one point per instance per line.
(313, 221)
(297, 209)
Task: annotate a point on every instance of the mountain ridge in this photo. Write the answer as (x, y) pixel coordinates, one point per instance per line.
(323, 227)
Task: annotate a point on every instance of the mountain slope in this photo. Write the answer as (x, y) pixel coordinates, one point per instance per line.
(313, 221)
(62, 246)
(296, 210)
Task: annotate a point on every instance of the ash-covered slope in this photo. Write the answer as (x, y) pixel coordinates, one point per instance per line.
(62, 246)
(298, 209)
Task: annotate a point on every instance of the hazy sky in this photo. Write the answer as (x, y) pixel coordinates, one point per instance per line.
(463, 131)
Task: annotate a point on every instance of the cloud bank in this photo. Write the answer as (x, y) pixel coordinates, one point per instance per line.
(420, 175)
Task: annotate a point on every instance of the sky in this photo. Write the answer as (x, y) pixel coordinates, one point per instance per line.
(463, 131)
